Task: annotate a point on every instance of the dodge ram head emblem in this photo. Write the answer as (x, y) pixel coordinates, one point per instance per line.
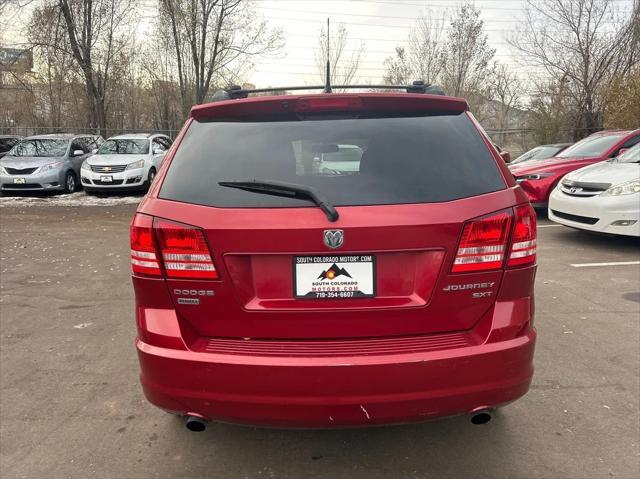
(333, 238)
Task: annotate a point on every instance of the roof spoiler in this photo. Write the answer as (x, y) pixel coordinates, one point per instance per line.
(235, 91)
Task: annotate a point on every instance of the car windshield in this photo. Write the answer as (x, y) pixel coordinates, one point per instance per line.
(349, 161)
(632, 155)
(43, 147)
(538, 153)
(591, 146)
(124, 146)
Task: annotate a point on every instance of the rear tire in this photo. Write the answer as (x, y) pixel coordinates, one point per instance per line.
(70, 182)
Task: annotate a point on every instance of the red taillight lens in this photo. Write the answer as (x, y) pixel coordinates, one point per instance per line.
(483, 244)
(184, 251)
(523, 245)
(143, 251)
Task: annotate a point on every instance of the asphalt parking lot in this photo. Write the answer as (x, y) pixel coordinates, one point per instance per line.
(71, 405)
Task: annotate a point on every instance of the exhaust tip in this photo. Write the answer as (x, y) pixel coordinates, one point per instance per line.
(196, 424)
(481, 417)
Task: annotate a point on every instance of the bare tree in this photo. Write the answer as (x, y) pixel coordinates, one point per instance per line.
(507, 89)
(584, 42)
(160, 66)
(213, 40)
(423, 59)
(344, 62)
(467, 68)
(398, 70)
(426, 49)
(96, 33)
(48, 38)
(550, 111)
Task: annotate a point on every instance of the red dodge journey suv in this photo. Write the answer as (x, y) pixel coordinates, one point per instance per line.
(327, 260)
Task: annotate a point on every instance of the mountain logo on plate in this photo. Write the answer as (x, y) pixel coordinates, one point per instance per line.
(334, 272)
(333, 238)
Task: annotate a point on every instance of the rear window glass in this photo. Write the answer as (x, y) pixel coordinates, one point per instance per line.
(350, 161)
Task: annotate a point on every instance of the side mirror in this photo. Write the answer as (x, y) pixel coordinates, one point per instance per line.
(506, 156)
(94, 151)
(77, 153)
(621, 151)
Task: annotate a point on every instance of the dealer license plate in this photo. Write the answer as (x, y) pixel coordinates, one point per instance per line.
(19, 181)
(106, 179)
(334, 277)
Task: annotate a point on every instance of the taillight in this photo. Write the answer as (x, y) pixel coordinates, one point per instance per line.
(523, 244)
(483, 243)
(184, 251)
(143, 251)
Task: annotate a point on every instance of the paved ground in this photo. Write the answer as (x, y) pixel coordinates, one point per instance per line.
(71, 405)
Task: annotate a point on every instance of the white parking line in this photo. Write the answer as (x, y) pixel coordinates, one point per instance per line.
(617, 263)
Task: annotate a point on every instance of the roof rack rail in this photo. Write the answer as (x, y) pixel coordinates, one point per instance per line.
(236, 91)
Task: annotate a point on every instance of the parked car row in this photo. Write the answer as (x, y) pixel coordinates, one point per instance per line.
(539, 177)
(65, 162)
(593, 184)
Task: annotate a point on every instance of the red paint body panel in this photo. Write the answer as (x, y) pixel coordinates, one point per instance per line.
(270, 105)
(538, 191)
(422, 347)
(344, 390)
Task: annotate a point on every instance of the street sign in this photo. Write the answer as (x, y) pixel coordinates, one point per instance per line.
(16, 60)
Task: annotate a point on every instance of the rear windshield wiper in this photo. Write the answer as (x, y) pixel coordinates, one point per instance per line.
(289, 190)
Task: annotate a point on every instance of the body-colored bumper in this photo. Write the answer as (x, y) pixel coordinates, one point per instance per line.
(538, 190)
(608, 210)
(337, 391)
(127, 180)
(52, 180)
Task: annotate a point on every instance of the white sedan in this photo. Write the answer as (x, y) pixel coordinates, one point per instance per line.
(604, 197)
(125, 163)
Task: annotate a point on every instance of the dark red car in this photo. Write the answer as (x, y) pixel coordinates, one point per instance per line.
(539, 177)
(280, 281)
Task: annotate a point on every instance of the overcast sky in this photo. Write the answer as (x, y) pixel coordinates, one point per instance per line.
(379, 24)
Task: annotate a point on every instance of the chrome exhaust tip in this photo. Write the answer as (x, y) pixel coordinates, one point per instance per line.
(481, 417)
(195, 423)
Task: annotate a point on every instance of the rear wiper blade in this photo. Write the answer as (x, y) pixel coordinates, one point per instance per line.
(289, 190)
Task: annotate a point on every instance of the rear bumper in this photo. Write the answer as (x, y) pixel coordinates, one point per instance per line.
(337, 391)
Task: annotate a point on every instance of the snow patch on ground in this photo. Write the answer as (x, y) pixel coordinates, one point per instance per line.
(73, 199)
